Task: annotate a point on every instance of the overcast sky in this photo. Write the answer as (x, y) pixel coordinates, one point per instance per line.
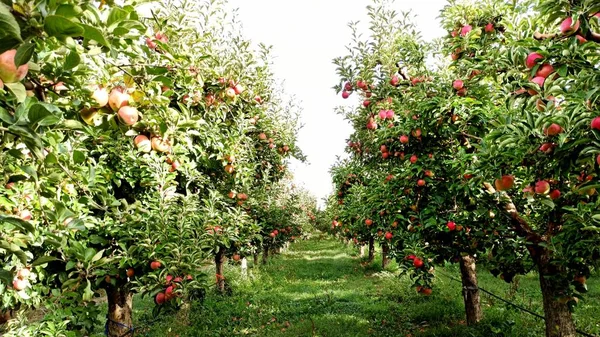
(306, 36)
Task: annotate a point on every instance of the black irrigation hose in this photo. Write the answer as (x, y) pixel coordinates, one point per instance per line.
(512, 304)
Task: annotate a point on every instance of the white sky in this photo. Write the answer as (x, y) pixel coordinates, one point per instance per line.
(306, 36)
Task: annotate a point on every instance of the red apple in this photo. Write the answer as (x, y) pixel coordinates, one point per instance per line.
(142, 143)
(532, 59)
(236, 257)
(507, 182)
(567, 26)
(128, 115)
(462, 92)
(388, 236)
(160, 145)
(581, 39)
(542, 187)
(368, 222)
(118, 99)
(366, 103)
(382, 114)
(389, 114)
(458, 84)
(23, 273)
(130, 272)
(345, 94)
(451, 225)
(596, 123)
(539, 80)
(598, 160)
(553, 130)
(489, 28)
(361, 84)
(155, 265)
(100, 96)
(394, 80)
(19, 284)
(545, 70)
(417, 262)
(465, 30)
(428, 173)
(25, 215)
(413, 159)
(230, 93)
(404, 139)
(160, 298)
(150, 43)
(546, 147)
(416, 133)
(371, 124)
(420, 182)
(9, 73)
(238, 89)
(348, 86)
(554, 194)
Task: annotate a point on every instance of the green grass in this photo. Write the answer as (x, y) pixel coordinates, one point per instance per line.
(319, 288)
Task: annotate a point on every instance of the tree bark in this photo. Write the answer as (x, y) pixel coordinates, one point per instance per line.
(371, 250)
(219, 261)
(265, 256)
(468, 273)
(559, 321)
(385, 261)
(255, 259)
(120, 309)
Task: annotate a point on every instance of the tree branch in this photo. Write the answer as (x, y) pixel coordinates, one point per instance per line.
(520, 224)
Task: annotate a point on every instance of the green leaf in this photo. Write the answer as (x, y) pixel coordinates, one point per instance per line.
(78, 157)
(6, 117)
(44, 259)
(39, 111)
(49, 120)
(18, 89)
(22, 225)
(68, 10)
(116, 15)
(93, 33)
(24, 53)
(72, 124)
(30, 170)
(61, 27)
(98, 256)
(10, 34)
(72, 60)
(6, 276)
(89, 253)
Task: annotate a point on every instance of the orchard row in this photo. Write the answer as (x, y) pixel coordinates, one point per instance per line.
(136, 145)
(478, 148)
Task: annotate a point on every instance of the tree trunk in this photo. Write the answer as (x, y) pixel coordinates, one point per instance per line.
(265, 256)
(468, 273)
(362, 251)
(219, 261)
(255, 259)
(371, 250)
(384, 259)
(559, 322)
(120, 304)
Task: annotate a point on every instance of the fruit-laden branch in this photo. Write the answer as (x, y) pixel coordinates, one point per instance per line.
(520, 225)
(591, 36)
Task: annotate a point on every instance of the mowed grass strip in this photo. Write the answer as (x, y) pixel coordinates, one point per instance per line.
(320, 288)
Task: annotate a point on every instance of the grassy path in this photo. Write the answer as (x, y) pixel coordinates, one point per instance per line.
(319, 288)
